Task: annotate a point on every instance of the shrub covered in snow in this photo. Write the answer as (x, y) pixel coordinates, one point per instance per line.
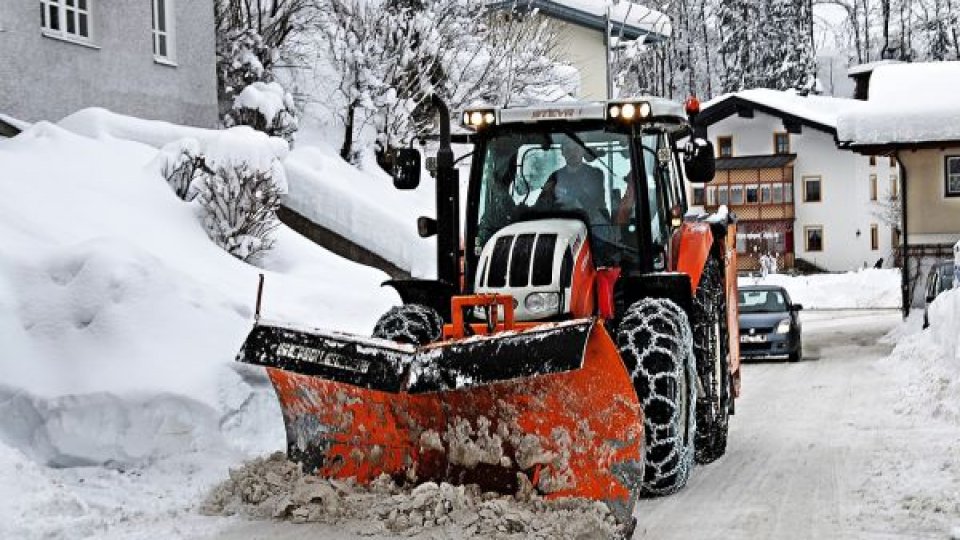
(236, 180)
(239, 208)
(181, 162)
(242, 59)
(265, 107)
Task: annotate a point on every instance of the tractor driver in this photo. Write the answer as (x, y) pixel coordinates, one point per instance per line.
(574, 186)
(578, 186)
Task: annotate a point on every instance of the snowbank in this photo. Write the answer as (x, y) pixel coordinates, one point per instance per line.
(908, 102)
(869, 288)
(120, 321)
(929, 362)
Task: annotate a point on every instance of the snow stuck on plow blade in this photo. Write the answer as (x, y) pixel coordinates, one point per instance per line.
(552, 405)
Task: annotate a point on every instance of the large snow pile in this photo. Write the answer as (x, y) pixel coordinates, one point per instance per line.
(120, 320)
(869, 288)
(930, 362)
(276, 488)
(907, 103)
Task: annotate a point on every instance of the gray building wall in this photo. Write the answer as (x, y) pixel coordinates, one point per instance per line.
(45, 78)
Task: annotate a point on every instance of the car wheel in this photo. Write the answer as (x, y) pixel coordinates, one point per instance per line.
(796, 355)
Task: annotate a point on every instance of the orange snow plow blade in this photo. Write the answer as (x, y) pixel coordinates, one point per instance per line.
(553, 403)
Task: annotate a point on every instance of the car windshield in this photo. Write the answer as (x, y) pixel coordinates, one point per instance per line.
(526, 174)
(762, 301)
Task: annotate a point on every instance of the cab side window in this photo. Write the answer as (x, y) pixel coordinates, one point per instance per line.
(659, 199)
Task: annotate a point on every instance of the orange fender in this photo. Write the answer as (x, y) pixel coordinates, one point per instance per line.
(696, 239)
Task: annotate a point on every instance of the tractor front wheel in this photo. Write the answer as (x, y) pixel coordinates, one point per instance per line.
(656, 345)
(410, 323)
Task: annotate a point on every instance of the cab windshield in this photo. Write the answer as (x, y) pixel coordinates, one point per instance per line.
(586, 174)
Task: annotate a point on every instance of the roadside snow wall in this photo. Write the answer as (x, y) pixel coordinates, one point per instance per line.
(864, 289)
(930, 360)
(120, 319)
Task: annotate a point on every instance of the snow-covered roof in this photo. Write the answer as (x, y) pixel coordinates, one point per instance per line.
(632, 18)
(860, 69)
(820, 112)
(908, 104)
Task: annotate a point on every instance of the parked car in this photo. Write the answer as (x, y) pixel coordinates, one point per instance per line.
(769, 324)
(939, 279)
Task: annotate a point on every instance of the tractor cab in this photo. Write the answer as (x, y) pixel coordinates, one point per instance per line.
(560, 192)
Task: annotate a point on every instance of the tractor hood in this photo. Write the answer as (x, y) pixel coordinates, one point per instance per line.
(533, 262)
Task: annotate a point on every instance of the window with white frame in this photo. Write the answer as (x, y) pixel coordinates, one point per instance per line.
(66, 18)
(163, 29)
(736, 195)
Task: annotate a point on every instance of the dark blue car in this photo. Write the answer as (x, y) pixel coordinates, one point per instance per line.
(769, 324)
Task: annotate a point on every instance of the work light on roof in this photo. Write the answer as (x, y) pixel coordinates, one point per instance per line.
(478, 119)
(630, 111)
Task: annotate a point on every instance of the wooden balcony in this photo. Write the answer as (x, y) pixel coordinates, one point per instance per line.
(756, 188)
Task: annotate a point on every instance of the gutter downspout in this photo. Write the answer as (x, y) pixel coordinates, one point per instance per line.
(905, 299)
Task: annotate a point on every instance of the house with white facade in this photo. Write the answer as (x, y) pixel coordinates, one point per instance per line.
(797, 195)
(588, 28)
(152, 59)
(912, 115)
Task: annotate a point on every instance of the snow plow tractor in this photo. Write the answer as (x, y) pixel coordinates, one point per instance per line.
(580, 337)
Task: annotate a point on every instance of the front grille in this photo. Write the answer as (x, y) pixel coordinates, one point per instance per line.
(760, 331)
(523, 260)
(755, 347)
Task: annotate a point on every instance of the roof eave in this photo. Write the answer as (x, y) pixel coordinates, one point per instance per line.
(879, 149)
(729, 106)
(580, 18)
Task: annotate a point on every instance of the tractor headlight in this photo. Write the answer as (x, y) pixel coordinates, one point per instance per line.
(644, 109)
(542, 302)
(783, 327)
(628, 110)
(479, 119)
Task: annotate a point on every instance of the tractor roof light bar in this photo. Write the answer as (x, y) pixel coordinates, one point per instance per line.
(646, 110)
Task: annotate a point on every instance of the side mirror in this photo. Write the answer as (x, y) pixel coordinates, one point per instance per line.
(699, 163)
(797, 307)
(406, 169)
(426, 227)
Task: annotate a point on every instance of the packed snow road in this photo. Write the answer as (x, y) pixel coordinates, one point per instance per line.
(817, 450)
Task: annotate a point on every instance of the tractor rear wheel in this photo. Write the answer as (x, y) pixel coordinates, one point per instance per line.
(711, 349)
(656, 345)
(410, 323)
